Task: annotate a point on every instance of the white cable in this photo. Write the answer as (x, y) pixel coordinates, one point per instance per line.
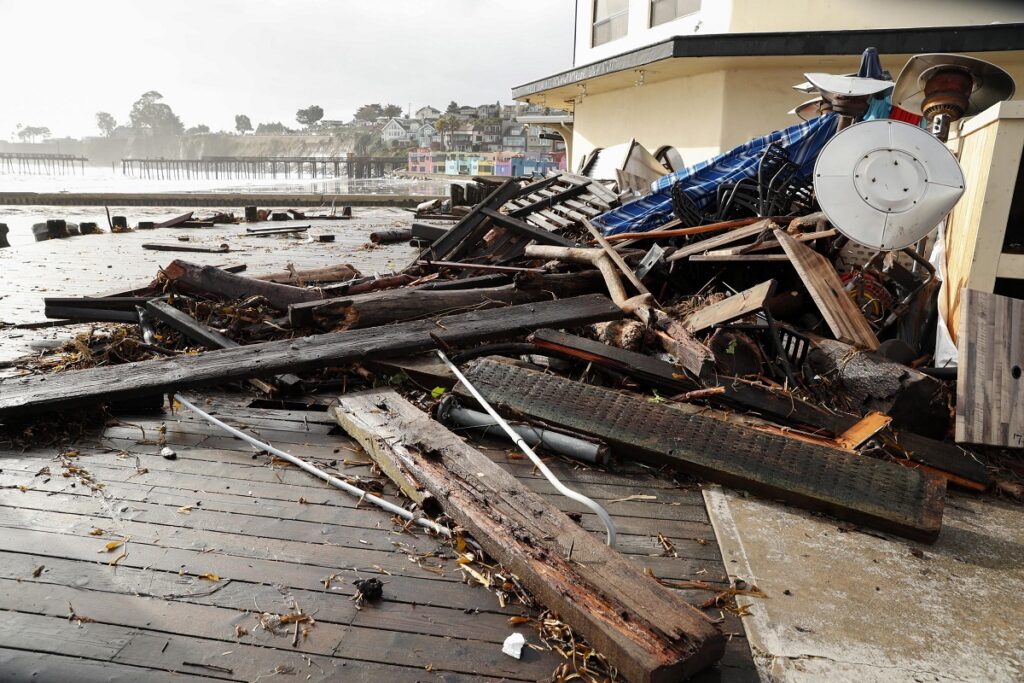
(317, 472)
(548, 474)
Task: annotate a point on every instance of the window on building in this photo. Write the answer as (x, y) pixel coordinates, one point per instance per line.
(611, 20)
(663, 11)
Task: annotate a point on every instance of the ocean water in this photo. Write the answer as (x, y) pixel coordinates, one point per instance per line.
(98, 179)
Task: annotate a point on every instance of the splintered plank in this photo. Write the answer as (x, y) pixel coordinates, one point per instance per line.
(647, 633)
(858, 489)
(990, 374)
(840, 312)
(40, 394)
(735, 307)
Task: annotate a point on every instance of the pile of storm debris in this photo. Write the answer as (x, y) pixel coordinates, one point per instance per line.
(741, 322)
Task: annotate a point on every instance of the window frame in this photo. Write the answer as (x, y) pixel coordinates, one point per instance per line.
(650, 13)
(595, 22)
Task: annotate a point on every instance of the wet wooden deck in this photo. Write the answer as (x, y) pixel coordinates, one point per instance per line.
(222, 538)
(220, 535)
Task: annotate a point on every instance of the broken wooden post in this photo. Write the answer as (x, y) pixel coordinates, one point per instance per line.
(390, 236)
(857, 489)
(3, 236)
(647, 633)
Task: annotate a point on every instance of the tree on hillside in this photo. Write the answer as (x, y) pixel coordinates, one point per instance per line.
(149, 113)
(30, 133)
(445, 125)
(310, 115)
(369, 112)
(242, 124)
(453, 107)
(273, 128)
(106, 123)
(198, 130)
(363, 144)
(391, 111)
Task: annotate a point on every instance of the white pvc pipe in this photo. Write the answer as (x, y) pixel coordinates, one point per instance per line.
(518, 440)
(317, 472)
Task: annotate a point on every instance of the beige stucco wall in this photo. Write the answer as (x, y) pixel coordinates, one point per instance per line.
(683, 112)
(830, 15)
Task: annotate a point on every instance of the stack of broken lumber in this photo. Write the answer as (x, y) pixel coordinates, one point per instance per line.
(732, 353)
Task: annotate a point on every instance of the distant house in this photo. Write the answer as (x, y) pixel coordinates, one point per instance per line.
(425, 134)
(513, 138)
(427, 113)
(332, 123)
(399, 130)
(468, 112)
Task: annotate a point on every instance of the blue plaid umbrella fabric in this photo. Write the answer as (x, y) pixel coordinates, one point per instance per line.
(802, 143)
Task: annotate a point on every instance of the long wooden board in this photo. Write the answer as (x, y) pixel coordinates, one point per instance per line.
(735, 307)
(647, 633)
(840, 312)
(990, 374)
(41, 394)
(861, 490)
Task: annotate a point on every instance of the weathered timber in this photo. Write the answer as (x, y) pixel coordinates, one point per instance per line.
(90, 314)
(41, 394)
(338, 273)
(110, 303)
(176, 221)
(211, 280)
(990, 388)
(398, 305)
(844, 318)
(865, 491)
(915, 401)
(211, 339)
(492, 280)
(648, 633)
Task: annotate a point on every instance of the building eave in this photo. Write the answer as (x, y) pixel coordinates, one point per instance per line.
(984, 38)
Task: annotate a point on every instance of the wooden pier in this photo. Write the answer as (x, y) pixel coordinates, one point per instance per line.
(263, 167)
(41, 164)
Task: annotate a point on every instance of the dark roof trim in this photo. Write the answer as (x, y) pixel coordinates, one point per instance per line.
(985, 38)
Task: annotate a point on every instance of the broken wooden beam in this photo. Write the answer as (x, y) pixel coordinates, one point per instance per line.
(47, 393)
(527, 231)
(846, 321)
(861, 490)
(211, 280)
(176, 221)
(399, 305)
(211, 339)
(649, 634)
(471, 227)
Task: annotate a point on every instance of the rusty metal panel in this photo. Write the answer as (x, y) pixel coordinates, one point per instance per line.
(854, 488)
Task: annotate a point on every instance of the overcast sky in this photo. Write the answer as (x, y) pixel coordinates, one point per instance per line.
(64, 60)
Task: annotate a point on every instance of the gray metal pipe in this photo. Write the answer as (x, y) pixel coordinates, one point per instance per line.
(556, 442)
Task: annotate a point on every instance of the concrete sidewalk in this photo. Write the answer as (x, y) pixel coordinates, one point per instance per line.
(849, 606)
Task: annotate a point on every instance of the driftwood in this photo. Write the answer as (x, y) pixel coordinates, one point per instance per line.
(397, 305)
(390, 236)
(648, 633)
(338, 273)
(211, 280)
